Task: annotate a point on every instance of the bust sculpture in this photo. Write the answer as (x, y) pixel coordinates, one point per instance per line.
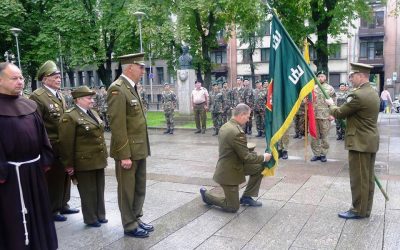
(185, 60)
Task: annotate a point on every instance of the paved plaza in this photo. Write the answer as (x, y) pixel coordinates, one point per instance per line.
(300, 203)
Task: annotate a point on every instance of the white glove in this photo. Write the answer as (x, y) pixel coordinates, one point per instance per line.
(267, 157)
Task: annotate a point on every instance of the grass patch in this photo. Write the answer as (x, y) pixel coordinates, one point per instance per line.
(157, 119)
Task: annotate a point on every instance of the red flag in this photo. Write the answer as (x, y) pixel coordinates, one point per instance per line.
(312, 127)
(268, 104)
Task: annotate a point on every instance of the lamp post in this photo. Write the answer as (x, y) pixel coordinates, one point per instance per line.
(61, 62)
(139, 16)
(16, 32)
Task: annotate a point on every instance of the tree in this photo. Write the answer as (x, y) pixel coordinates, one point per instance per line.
(326, 17)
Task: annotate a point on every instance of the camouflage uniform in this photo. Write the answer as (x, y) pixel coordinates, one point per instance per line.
(168, 100)
(320, 145)
(143, 98)
(231, 100)
(69, 101)
(217, 104)
(283, 145)
(247, 97)
(299, 122)
(102, 108)
(260, 97)
(340, 123)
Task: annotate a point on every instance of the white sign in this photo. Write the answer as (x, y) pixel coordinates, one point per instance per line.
(394, 77)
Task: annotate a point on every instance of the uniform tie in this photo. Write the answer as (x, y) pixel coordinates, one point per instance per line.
(58, 95)
(91, 115)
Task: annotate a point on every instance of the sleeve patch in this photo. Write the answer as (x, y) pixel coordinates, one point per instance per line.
(115, 92)
(64, 120)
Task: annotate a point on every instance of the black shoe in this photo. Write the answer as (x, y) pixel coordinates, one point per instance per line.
(145, 226)
(300, 137)
(315, 158)
(285, 155)
(323, 158)
(95, 224)
(137, 233)
(197, 131)
(259, 134)
(171, 131)
(349, 215)
(103, 221)
(249, 132)
(59, 217)
(339, 138)
(296, 136)
(203, 195)
(249, 201)
(166, 131)
(69, 211)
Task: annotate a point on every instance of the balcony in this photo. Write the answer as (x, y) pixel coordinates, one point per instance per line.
(371, 32)
(372, 61)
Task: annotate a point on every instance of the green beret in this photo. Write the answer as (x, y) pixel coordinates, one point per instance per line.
(81, 92)
(132, 59)
(342, 83)
(48, 68)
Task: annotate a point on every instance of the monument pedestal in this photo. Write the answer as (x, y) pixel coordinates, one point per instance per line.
(186, 79)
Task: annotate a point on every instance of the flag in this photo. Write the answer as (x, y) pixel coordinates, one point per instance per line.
(291, 81)
(312, 126)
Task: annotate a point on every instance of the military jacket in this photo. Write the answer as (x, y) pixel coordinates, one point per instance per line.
(217, 102)
(82, 144)
(248, 97)
(51, 109)
(233, 154)
(260, 98)
(168, 100)
(361, 112)
(129, 136)
(321, 109)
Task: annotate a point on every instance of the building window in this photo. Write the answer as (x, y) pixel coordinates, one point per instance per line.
(90, 78)
(80, 78)
(264, 78)
(146, 78)
(313, 53)
(334, 79)
(265, 55)
(265, 28)
(377, 21)
(246, 56)
(371, 49)
(218, 57)
(160, 75)
(336, 51)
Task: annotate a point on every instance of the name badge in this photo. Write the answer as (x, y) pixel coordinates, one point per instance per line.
(134, 102)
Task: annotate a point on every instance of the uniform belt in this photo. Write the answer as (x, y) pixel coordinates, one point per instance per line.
(199, 103)
(24, 211)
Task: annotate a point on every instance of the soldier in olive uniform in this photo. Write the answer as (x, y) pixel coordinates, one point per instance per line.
(340, 100)
(169, 101)
(247, 97)
(260, 97)
(83, 153)
(362, 139)
(236, 161)
(129, 144)
(51, 106)
(217, 104)
(320, 145)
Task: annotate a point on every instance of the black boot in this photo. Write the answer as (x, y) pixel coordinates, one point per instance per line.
(171, 131)
(339, 137)
(296, 136)
(167, 131)
(259, 134)
(215, 132)
(285, 155)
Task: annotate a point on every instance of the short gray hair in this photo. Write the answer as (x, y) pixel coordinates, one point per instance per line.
(241, 108)
(3, 66)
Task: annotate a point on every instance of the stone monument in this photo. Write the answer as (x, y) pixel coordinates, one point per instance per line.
(186, 77)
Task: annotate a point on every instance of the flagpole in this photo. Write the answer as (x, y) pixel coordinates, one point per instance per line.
(305, 131)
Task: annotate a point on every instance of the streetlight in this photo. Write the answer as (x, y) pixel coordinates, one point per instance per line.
(16, 32)
(61, 62)
(139, 16)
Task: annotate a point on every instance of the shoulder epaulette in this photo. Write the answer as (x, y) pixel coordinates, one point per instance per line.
(39, 91)
(69, 110)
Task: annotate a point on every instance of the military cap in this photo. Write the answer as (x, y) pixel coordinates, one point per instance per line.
(214, 83)
(166, 84)
(321, 72)
(251, 146)
(81, 92)
(132, 59)
(360, 68)
(342, 83)
(48, 68)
